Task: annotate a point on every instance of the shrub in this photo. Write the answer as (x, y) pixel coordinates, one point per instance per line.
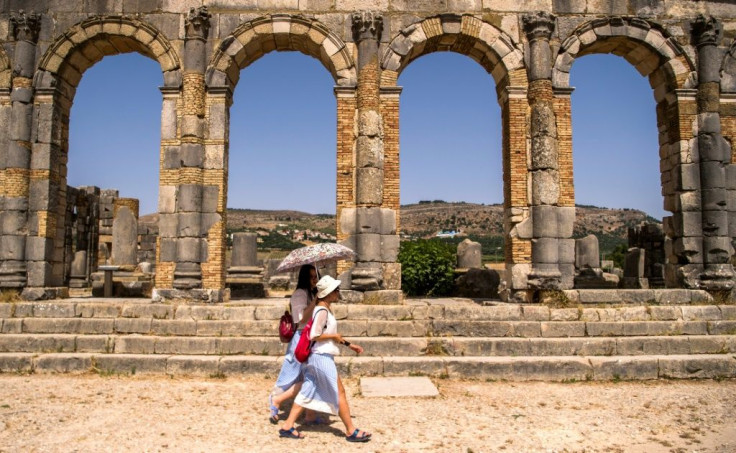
(427, 267)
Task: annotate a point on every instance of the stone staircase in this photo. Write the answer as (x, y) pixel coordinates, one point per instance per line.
(443, 338)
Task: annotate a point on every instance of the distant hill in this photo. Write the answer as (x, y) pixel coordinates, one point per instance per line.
(426, 218)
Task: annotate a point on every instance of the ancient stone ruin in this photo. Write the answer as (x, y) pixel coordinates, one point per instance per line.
(685, 49)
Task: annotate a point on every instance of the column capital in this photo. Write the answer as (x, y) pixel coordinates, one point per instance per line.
(197, 23)
(26, 26)
(367, 25)
(706, 31)
(538, 25)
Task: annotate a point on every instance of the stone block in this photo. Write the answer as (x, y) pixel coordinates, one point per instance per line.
(469, 254)
(129, 344)
(712, 175)
(171, 160)
(12, 247)
(191, 155)
(566, 251)
(700, 367)
(192, 365)
(369, 152)
(544, 219)
(563, 329)
(16, 363)
(545, 187)
(210, 198)
(63, 363)
(565, 221)
(188, 250)
(389, 248)
(545, 251)
(168, 327)
(189, 225)
(189, 198)
(687, 177)
(587, 253)
(369, 186)
(370, 123)
(544, 152)
(624, 368)
(131, 364)
(18, 156)
(191, 126)
(94, 343)
(369, 220)
(38, 248)
(369, 247)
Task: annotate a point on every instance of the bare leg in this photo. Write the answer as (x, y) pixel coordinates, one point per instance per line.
(291, 392)
(343, 409)
(296, 410)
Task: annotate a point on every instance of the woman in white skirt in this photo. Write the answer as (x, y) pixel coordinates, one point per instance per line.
(322, 389)
(290, 378)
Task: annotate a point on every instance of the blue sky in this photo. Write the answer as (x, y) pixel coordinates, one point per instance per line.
(282, 133)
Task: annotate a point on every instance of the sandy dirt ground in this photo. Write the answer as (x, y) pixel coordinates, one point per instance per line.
(93, 413)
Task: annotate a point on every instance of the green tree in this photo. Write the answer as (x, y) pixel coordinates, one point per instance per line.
(427, 267)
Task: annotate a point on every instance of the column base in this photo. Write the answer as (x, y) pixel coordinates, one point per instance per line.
(717, 277)
(545, 279)
(209, 296)
(44, 293)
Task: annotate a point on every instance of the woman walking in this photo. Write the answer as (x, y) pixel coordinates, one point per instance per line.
(302, 304)
(322, 389)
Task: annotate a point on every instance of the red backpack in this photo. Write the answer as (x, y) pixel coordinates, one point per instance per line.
(287, 327)
(304, 346)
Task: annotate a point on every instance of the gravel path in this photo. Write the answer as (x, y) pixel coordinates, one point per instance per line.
(64, 413)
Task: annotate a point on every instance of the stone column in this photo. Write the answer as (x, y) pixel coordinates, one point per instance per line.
(715, 157)
(188, 207)
(15, 163)
(375, 238)
(544, 166)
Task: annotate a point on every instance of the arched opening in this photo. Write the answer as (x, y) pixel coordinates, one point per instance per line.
(451, 159)
(113, 159)
(57, 209)
(616, 161)
(282, 166)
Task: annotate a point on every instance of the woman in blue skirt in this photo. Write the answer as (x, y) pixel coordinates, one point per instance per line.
(322, 389)
(290, 378)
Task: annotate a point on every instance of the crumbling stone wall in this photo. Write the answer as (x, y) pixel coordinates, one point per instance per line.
(528, 49)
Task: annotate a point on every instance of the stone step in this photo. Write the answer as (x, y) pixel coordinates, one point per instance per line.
(369, 328)
(489, 368)
(421, 310)
(376, 346)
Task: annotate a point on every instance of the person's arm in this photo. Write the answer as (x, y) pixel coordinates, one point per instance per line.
(318, 334)
(299, 302)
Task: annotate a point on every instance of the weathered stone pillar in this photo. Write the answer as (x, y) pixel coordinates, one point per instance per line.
(375, 238)
(544, 166)
(188, 205)
(715, 156)
(15, 163)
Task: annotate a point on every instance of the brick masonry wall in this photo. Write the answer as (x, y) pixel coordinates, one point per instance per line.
(391, 162)
(515, 112)
(346, 112)
(564, 149)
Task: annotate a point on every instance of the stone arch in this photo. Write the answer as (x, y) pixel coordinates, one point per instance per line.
(491, 47)
(89, 41)
(645, 45)
(281, 32)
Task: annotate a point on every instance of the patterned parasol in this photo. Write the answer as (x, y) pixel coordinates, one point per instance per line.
(315, 254)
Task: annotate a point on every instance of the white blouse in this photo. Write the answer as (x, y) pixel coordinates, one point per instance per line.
(299, 301)
(324, 322)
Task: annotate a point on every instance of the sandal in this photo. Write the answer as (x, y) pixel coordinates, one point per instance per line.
(290, 433)
(274, 417)
(365, 437)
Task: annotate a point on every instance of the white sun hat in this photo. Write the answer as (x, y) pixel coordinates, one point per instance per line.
(326, 285)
